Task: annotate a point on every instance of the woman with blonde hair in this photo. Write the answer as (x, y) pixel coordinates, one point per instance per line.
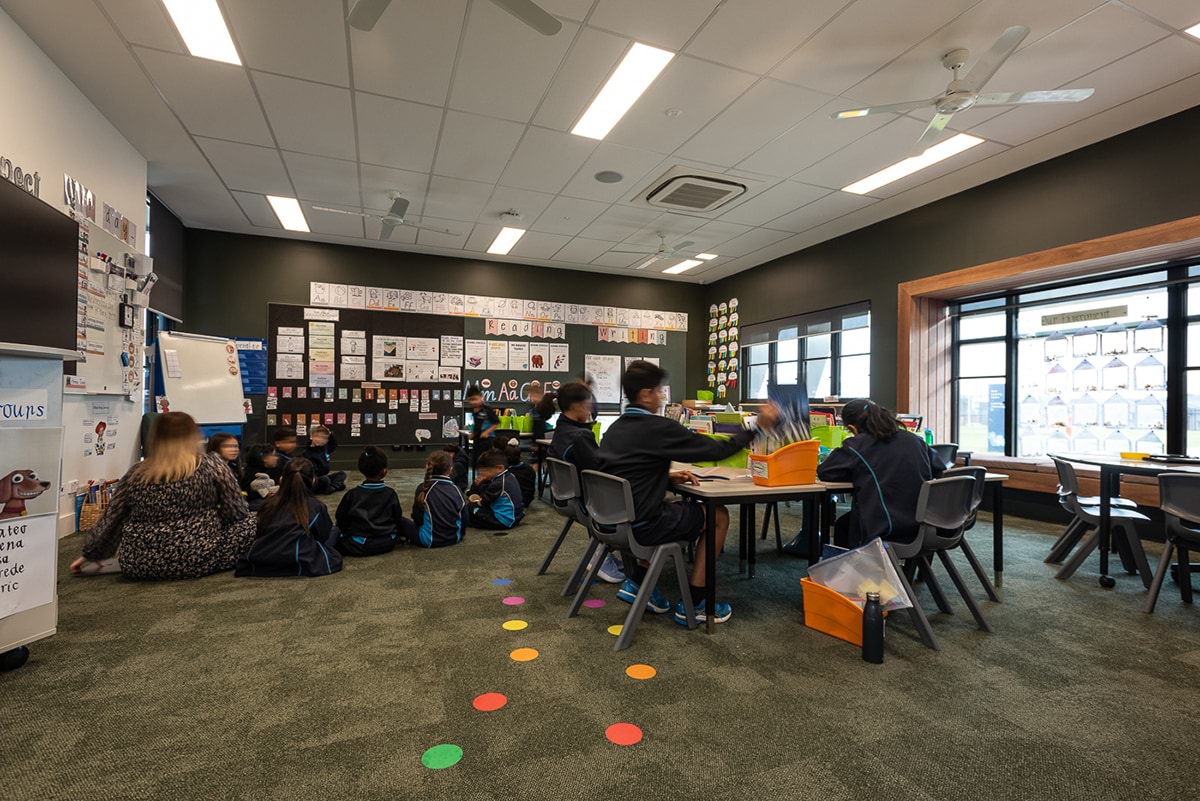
(177, 514)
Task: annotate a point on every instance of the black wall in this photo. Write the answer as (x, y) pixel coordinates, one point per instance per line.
(167, 236)
(1147, 176)
(232, 277)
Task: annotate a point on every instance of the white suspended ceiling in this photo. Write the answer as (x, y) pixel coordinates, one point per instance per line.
(465, 111)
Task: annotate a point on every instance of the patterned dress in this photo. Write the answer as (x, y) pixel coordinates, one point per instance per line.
(182, 529)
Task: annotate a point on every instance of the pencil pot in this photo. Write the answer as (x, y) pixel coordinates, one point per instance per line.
(792, 464)
(737, 460)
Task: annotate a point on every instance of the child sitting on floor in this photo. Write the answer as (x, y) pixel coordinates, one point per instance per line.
(496, 497)
(285, 444)
(256, 482)
(295, 534)
(321, 445)
(370, 519)
(439, 510)
(525, 475)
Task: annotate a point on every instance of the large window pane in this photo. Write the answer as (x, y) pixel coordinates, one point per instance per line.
(787, 350)
(787, 373)
(982, 326)
(818, 347)
(757, 387)
(1193, 345)
(758, 354)
(981, 415)
(819, 372)
(856, 342)
(1193, 413)
(855, 376)
(981, 359)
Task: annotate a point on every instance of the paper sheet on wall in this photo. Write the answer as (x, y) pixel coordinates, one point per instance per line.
(422, 371)
(518, 355)
(422, 349)
(475, 354)
(322, 380)
(389, 370)
(452, 351)
(28, 544)
(605, 371)
(560, 358)
(539, 356)
(354, 347)
(318, 293)
(389, 347)
(374, 297)
(497, 355)
(449, 375)
(358, 297)
(391, 299)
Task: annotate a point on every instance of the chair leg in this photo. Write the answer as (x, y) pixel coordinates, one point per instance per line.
(634, 618)
(766, 522)
(935, 588)
(1137, 553)
(959, 585)
(778, 532)
(973, 560)
(586, 585)
(572, 584)
(685, 592)
(1164, 565)
(1185, 575)
(562, 535)
(1080, 556)
(915, 613)
(1066, 541)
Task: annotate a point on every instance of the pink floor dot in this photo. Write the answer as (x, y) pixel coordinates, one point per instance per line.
(593, 603)
(513, 600)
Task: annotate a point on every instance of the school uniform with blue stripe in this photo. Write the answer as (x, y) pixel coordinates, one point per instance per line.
(370, 520)
(285, 548)
(500, 505)
(443, 520)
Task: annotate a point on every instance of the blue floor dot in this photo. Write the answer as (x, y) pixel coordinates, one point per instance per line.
(502, 582)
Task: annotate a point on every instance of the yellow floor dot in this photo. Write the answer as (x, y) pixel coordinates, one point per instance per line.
(524, 655)
(641, 672)
(514, 625)
(615, 630)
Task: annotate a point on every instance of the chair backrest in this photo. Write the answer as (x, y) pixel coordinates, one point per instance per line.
(564, 487)
(943, 508)
(976, 474)
(609, 503)
(947, 452)
(1068, 482)
(1179, 498)
(501, 437)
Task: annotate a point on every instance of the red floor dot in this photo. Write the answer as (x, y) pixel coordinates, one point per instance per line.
(489, 702)
(623, 734)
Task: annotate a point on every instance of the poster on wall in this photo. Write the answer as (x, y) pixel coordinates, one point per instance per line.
(29, 467)
(559, 358)
(605, 371)
(452, 351)
(422, 349)
(497, 355)
(475, 354)
(539, 356)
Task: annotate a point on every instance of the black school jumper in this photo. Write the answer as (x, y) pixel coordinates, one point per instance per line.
(371, 520)
(574, 442)
(327, 480)
(285, 548)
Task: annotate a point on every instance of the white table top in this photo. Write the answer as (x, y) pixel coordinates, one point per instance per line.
(738, 484)
(1138, 465)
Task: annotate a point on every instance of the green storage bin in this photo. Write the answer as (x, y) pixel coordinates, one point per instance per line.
(704, 395)
(830, 436)
(733, 418)
(596, 431)
(739, 460)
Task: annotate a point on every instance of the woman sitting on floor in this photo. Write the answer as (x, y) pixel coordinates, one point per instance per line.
(178, 514)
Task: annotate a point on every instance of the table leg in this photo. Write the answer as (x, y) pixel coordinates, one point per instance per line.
(751, 540)
(809, 516)
(828, 513)
(1106, 486)
(741, 539)
(710, 564)
(998, 532)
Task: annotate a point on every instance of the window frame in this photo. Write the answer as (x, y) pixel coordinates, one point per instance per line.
(835, 316)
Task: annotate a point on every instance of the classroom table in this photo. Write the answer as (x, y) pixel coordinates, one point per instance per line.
(543, 446)
(1111, 470)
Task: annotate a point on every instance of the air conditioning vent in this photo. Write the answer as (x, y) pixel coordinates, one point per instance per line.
(694, 193)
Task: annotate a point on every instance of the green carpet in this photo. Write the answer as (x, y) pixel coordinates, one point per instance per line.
(333, 688)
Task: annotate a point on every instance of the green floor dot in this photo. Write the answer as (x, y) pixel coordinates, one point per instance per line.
(441, 756)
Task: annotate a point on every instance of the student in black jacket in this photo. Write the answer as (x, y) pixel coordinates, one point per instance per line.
(640, 447)
(526, 477)
(439, 509)
(484, 422)
(226, 446)
(296, 537)
(257, 484)
(460, 467)
(496, 497)
(321, 445)
(887, 466)
(285, 445)
(369, 519)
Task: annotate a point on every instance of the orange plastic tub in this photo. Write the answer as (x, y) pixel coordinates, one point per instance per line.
(831, 612)
(793, 464)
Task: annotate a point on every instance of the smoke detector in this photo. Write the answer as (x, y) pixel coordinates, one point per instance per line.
(511, 218)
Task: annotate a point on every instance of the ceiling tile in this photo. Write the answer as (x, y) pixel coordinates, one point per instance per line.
(812, 140)
(257, 209)
(308, 117)
(377, 182)
(783, 198)
(247, 167)
(324, 222)
(144, 22)
(568, 215)
(474, 147)
(506, 198)
(411, 62)
(481, 237)
(878, 149)
(504, 66)
(754, 35)
(313, 48)
(395, 133)
(546, 160)
(697, 89)
(212, 99)
(712, 234)
(324, 180)
(582, 251)
(623, 260)
(453, 199)
(821, 211)
(1180, 14)
(619, 222)
(952, 164)
(632, 163)
(538, 245)
(663, 23)
(863, 38)
(585, 70)
(674, 228)
(751, 241)
(768, 109)
(202, 203)
(568, 9)
(435, 239)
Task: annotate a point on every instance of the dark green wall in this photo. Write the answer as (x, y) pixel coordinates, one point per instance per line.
(1147, 176)
(232, 277)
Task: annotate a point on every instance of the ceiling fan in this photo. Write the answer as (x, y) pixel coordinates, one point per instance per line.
(663, 251)
(964, 93)
(366, 13)
(389, 221)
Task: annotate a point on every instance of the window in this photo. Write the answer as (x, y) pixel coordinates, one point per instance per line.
(1192, 367)
(828, 352)
(980, 377)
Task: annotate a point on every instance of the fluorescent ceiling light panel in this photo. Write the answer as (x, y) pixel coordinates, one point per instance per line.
(636, 72)
(939, 152)
(682, 267)
(858, 112)
(706, 256)
(1194, 30)
(203, 29)
(290, 215)
(505, 240)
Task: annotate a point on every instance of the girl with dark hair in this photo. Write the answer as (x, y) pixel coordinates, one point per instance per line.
(225, 445)
(887, 466)
(439, 509)
(295, 533)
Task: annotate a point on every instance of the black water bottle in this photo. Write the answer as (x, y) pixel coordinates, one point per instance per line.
(872, 647)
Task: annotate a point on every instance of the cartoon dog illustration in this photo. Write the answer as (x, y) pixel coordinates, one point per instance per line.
(16, 488)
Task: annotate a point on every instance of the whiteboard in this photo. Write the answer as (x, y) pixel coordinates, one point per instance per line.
(605, 371)
(201, 376)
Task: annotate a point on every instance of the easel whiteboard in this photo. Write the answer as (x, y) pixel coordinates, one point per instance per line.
(201, 376)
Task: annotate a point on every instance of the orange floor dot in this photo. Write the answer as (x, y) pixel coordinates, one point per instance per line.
(640, 672)
(615, 630)
(524, 655)
(623, 734)
(489, 702)
(514, 625)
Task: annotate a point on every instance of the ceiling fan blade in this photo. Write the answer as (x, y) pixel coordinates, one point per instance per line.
(435, 229)
(385, 229)
(636, 252)
(342, 211)
(933, 132)
(891, 108)
(648, 262)
(1023, 98)
(399, 208)
(994, 58)
(366, 13)
(532, 15)
(683, 244)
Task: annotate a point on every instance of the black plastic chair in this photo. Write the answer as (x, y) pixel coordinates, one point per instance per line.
(1122, 519)
(610, 515)
(979, 476)
(1179, 498)
(947, 452)
(1069, 498)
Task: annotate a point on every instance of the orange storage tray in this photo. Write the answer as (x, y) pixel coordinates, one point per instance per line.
(831, 612)
(792, 464)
